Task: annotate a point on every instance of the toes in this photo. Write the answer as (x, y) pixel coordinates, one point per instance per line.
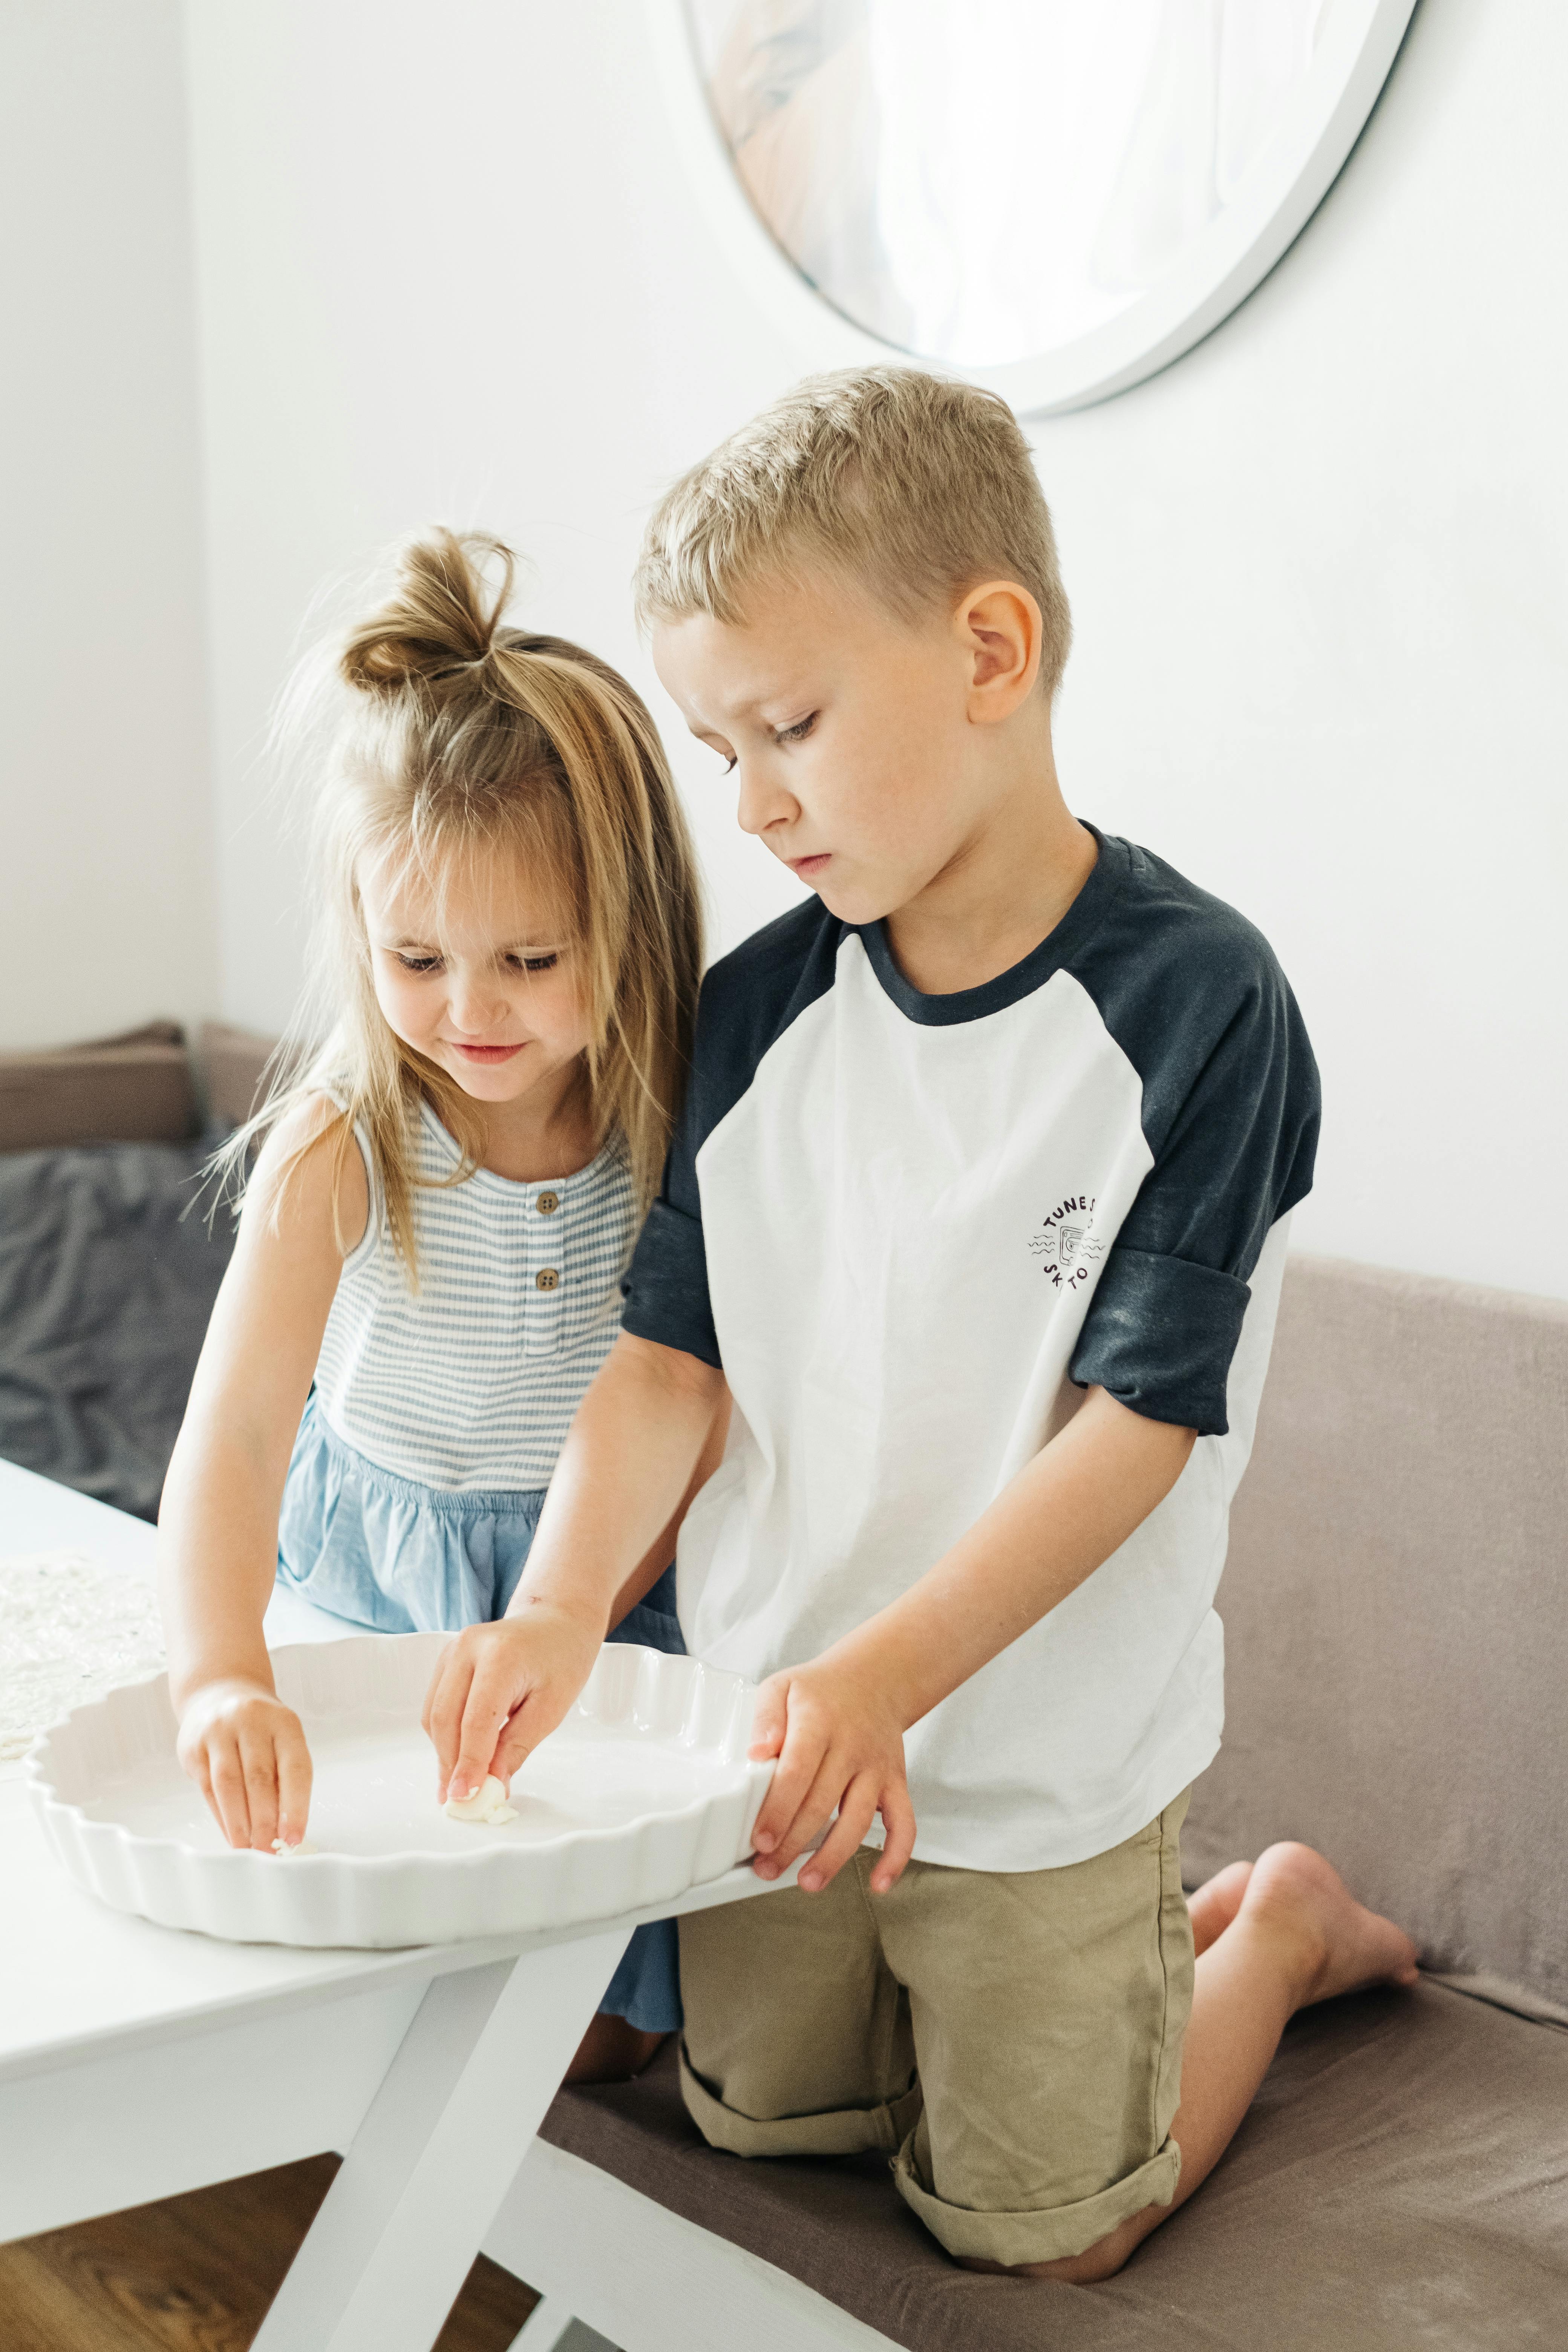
(1294, 1886)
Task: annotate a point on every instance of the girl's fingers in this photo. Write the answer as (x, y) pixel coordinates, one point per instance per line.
(258, 1759)
(228, 1794)
(444, 1719)
(294, 1779)
(198, 1770)
(856, 1812)
(520, 1735)
(488, 1704)
(444, 1664)
(899, 1822)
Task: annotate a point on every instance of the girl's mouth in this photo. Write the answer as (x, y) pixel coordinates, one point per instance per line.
(485, 1052)
(808, 869)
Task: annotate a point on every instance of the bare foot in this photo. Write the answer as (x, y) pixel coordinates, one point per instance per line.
(1343, 1944)
(1216, 1902)
(612, 2052)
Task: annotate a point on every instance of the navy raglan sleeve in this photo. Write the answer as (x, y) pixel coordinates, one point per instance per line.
(749, 998)
(666, 1287)
(1234, 1119)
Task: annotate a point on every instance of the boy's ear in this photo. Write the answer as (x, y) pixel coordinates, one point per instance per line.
(999, 626)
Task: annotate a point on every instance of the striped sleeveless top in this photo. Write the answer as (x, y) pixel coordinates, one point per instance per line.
(469, 1383)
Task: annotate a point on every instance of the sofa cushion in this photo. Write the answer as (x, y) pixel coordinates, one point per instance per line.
(1400, 2181)
(134, 1089)
(1395, 1619)
(106, 1284)
(233, 1063)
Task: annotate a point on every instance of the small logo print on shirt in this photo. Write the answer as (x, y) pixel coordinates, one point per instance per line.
(1067, 1244)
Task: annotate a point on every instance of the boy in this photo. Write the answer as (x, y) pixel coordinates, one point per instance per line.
(979, 1203)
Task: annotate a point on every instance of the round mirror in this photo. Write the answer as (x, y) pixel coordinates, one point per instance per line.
(1054, 198)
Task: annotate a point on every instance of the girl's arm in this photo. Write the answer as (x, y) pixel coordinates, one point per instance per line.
(217, 1523)
(629, 1459)
(659, 1554)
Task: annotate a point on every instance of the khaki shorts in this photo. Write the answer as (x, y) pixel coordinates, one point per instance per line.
(1012, 2040)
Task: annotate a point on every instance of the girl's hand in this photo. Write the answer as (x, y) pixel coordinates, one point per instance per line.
(497, 1690)
(840, 1745)
(247, 1753)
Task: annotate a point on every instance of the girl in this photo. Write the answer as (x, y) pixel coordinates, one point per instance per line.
(428, 1259)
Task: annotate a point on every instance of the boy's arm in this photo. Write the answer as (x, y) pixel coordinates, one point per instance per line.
(837, 1725)
(627, 1462)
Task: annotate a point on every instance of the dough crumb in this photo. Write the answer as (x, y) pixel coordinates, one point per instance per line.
(288, 1851)
(486, 1806)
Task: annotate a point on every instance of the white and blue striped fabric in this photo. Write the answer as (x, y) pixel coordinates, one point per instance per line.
(469, 1383)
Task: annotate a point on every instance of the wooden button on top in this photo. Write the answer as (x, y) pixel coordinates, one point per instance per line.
(547, 1279)
(547, 1203)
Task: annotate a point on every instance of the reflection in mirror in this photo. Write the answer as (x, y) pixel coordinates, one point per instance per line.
(980, 184)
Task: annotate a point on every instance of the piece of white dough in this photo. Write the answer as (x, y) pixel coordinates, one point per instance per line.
(288, 1851)
(487, 1806)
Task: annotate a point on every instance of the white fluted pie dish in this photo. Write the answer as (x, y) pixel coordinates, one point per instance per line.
(643, 1791)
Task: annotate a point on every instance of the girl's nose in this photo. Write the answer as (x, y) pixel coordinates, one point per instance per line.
(473, 1006)
(764, 798)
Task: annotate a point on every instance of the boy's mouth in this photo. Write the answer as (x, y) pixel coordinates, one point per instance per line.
(485, 1052)
(808, 869)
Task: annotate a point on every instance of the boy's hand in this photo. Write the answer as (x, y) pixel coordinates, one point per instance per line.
(497, 1690)
(247, 1753)
(840, 1745)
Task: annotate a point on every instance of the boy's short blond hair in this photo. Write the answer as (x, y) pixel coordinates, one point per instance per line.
(918, 486)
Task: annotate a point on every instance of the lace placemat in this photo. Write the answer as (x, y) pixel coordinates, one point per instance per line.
(70, 1629)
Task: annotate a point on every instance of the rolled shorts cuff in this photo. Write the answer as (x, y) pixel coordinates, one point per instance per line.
(1050, 2235)
(848, 2131)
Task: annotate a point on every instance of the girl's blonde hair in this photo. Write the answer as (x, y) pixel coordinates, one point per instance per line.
(434, 732)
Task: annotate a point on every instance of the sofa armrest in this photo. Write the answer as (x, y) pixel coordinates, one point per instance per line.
(134, 1089)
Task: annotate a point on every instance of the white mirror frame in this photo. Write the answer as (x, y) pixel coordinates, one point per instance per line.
(1220, 269)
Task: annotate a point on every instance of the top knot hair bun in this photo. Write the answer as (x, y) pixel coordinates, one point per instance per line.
(437, 744)
(440, 621)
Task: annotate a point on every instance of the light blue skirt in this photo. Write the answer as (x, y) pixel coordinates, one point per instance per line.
(400, 1558)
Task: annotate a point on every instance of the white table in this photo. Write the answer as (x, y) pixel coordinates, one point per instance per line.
(137, 2061)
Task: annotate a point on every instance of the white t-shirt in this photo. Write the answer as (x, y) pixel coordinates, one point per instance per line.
(911, 1229)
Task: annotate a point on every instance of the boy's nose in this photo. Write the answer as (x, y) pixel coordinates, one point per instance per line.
(764, 799)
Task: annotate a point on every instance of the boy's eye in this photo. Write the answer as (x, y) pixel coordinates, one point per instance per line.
(420, 963)
(798, 732)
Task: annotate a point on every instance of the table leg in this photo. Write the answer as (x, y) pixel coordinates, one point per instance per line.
(548, 2328)
(438, 2151)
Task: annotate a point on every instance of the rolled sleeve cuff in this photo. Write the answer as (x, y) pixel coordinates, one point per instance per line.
(667, 1287)
(1160, 1336)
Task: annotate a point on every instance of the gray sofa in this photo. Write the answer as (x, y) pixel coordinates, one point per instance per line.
(1396, 1617)
(109, 1265)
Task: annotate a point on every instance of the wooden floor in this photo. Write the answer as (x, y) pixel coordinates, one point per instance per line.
(196, 2274)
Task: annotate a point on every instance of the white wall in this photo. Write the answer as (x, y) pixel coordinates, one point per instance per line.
(106, 898)
(450, 265)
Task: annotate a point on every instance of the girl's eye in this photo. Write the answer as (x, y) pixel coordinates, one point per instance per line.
(535, 963)
(420, 963)
(798, 732)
